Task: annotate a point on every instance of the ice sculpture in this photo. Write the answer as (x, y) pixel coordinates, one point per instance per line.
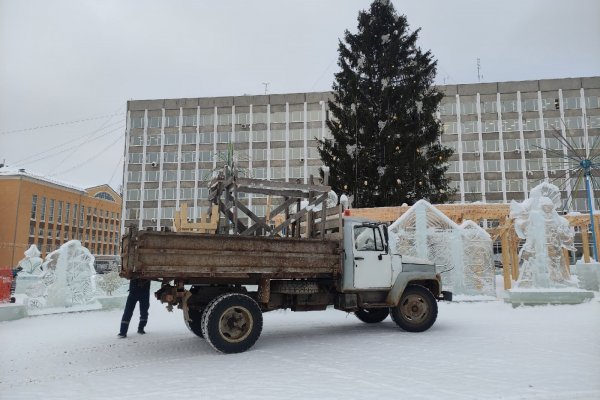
(463, 253)
(546, 234)
(66, 280)
(32, 263)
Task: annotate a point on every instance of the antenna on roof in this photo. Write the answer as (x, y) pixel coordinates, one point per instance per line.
(266, 86)
(479, 74)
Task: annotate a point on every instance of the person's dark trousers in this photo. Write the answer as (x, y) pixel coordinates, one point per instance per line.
(139, 290)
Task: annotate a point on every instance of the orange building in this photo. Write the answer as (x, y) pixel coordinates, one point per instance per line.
(37, 210)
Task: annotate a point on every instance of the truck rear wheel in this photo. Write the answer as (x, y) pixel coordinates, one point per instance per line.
(232, 323)
(372, 315)
(194, 324)
(416, 311)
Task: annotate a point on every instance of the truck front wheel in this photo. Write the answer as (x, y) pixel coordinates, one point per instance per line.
(232, 323)
(416, 311)
(372, 315)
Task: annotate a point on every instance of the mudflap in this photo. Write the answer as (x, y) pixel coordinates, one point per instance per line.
(445, 296)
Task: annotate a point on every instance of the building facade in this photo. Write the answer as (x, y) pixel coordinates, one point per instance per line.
(36, 210)
(503, 135)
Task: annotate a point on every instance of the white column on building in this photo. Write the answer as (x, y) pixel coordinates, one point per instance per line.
(125, 170)
(460, 150)
(480, 144)
(563, 131)
(197, 177)
(522, 146)
(233, 139)
(143, 177)
(501, 146)
(305, 145)
(542, 136)
(179, 140)
(287, 141)
(584, 123)
(215, 138)
(269, 140)
(250, 152)
(161, 158)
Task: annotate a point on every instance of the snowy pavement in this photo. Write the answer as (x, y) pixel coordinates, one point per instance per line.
(476, 350)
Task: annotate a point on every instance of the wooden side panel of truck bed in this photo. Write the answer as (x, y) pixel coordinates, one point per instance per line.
(197, 257)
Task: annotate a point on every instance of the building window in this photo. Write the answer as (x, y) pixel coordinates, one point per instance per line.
(134, 176)
(169, 175)
(168, 194)
(450, 127)
(171, 121)
(529, 105)
(133, 213)
(154, 122)
(489, 107)
(34, 200)
(188, 175)
(150, 194)
(137, 140)
(592, 102)
(60, 211)
(153, 140)
(133, 194)
(74, 214)
(43, 209)
(225, 119)
(314, 115)
(259, 136)
(242, 119)
(447, 109)
(468, 108)
(137, 122)
(207, 120)
(190, 120)
(296, 116)
(135, 158)
(278, 117)
(152, 157)
(224, 137)
(170, 157)
(277, 135)
(205, 156)
(188, 138)
(104, 196)
(259, 118)
(188, 156)
(51, 211)
(186, 193)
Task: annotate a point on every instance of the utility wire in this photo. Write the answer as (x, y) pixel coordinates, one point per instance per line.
(89, 159)
(69, 142)
(118, 129)
(60, 123)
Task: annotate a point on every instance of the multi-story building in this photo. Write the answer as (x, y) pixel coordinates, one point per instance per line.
(47, 213)
(502, 133)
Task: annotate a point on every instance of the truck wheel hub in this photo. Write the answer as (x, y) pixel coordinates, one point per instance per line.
(235, 324)
(414, 308)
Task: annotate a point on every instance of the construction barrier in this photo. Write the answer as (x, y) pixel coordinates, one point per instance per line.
(6, 279)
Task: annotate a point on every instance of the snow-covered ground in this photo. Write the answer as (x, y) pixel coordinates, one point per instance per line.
(476, 350)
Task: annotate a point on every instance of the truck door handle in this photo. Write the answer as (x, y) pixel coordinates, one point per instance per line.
(359, 258)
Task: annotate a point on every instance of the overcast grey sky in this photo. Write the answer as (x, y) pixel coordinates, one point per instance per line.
(65, 61)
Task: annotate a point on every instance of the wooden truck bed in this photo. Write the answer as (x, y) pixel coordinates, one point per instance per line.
(209, 258)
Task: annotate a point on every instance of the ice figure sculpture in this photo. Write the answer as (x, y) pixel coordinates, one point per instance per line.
(32, 263)
(66, 280)
(463, 252)
(546, 234)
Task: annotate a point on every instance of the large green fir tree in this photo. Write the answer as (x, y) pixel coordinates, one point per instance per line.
(385, 149)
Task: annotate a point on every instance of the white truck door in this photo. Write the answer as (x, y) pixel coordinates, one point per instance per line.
(372, 266)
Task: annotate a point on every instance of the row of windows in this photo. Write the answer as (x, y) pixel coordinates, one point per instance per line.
(64, 211)
(295, 153)
(511, 145)
(532, 124)
(506, 106)
(277, 135)
(72, 234)
(102, 249)
(223, 117)
(169, 212)
(513, 165)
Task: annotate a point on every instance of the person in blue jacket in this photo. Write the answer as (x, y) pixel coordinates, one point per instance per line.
(139, 291)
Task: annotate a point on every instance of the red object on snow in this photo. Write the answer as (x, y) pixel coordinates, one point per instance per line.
(6, 278)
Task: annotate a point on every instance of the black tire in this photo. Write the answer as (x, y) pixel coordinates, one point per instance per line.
(232, 323)
(416, 311)
(372, 315)
(195, 322)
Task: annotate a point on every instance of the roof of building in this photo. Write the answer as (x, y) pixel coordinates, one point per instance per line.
(8, 173)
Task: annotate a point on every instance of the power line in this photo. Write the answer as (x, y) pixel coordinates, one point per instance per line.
(71, 142)
(60, 123)
(119, 128)
(88, 159)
